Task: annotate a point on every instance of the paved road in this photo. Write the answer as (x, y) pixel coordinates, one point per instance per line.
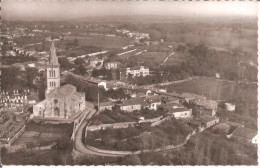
(78, 144)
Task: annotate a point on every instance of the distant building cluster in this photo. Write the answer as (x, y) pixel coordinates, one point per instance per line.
(136, 35)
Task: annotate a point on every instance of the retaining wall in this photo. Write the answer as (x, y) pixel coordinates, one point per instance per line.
(121, 125)
(140, 151)
(11, 141)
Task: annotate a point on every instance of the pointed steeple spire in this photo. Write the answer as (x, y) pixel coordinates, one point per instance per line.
(53, 60)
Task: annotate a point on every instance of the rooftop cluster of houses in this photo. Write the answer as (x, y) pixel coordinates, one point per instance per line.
(179, 106)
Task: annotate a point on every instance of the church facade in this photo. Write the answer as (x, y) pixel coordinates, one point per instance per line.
(60, 101)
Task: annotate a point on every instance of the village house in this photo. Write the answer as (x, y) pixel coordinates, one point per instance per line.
(130, 105)
(179, 113)
(245, 134)
(202, 107)
(153, 102)
(177, 110)
(137, 71)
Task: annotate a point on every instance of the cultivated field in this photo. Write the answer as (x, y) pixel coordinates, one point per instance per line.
(101, 41)
(39, 134)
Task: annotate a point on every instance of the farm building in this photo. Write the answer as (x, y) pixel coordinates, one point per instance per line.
(153, 102)
(130, 105)
(180, 112)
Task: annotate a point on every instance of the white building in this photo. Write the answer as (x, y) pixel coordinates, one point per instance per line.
(137, 71)
(181, 112)
(230, 107)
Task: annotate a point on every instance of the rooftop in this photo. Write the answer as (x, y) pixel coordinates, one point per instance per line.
(153, 99)
(63, 91)
(131, 102)
(245, 132)
(209, 104)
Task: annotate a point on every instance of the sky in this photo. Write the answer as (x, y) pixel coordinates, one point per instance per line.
(70, 9)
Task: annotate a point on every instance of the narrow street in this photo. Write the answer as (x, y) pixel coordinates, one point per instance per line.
(78, 144)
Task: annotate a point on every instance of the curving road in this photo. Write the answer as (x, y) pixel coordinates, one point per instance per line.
(78, 144)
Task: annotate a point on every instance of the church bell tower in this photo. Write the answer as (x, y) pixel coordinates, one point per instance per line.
(53, 71)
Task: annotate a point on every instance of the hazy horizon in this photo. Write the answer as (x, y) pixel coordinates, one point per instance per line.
(64, 10)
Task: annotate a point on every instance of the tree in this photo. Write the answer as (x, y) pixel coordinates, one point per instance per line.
(31, 73)
(82, 69)
(117, 74)
(65, 64)
(76, 42)
(132, 160)
(79, 61)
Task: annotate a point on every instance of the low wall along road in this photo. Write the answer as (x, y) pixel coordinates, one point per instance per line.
(113, 153)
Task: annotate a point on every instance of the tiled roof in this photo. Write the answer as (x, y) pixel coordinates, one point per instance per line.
(209, 104)
(131, 102)
(245, 132)
(63, 91)
(153, 99)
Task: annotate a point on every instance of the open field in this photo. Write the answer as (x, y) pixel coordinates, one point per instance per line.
(101, 41)
(81, 50)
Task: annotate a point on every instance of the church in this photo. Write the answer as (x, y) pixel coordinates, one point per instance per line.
(60, 101)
